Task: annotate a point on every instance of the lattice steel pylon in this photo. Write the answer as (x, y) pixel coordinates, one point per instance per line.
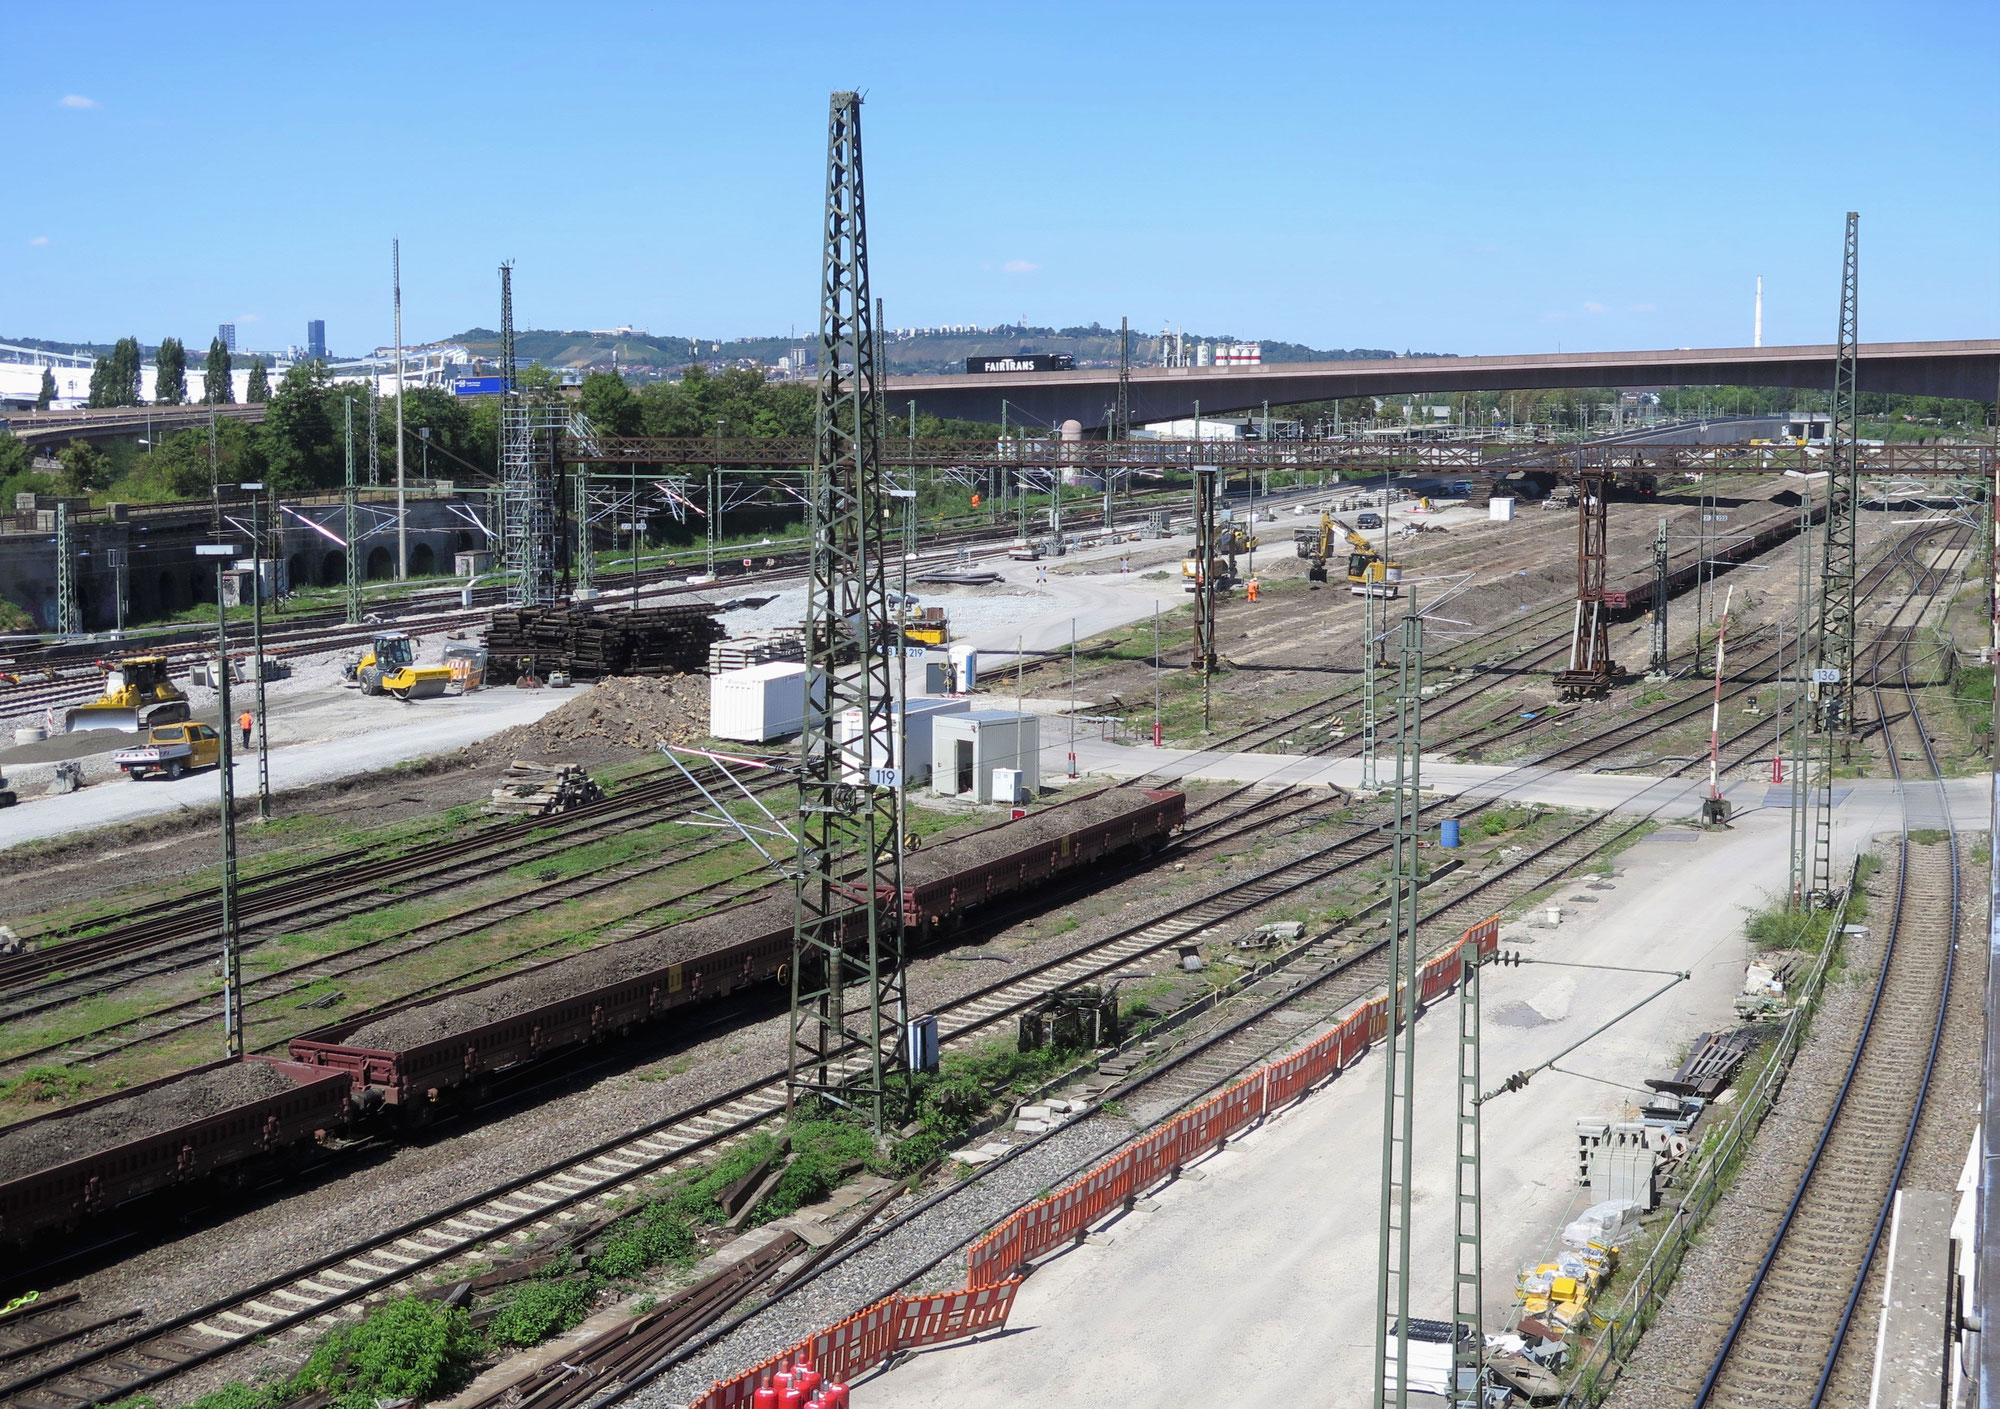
(529, 435)
(1121, 416)
(66, 612)
(1591, 670)
(1659, 663)
(1392, 1280)
(1467, 1279)
(374, 435)
(507, 327)
(847, 927)
(1834, 674)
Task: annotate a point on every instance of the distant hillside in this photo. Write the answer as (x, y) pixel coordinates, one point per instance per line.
(653, 354)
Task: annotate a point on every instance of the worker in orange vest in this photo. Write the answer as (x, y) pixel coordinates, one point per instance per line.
(243, 722)
(1250, 589)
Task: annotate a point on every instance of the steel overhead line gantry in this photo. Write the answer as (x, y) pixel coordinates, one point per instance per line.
(532, 435)
(849, 853)
(1834, 674)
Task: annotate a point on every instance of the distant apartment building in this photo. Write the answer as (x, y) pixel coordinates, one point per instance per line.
(316, 339)
(227, 332)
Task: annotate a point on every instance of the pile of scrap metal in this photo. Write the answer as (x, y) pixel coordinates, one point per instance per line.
(542, 789)
(1084, 1016)
(1764, 990)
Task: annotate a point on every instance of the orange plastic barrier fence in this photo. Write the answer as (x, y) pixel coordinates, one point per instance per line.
(1065, 1214)
(866, 1339)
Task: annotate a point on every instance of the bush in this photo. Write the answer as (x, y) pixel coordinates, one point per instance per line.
(543, 1309)
(822, 1150)
(662, 1233)
(404, 1349)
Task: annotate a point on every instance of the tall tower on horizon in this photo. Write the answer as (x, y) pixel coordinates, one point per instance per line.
(227, 332)
(316, 339)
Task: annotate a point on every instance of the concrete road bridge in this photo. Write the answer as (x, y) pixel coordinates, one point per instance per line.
(1968, 369)
(50, 429)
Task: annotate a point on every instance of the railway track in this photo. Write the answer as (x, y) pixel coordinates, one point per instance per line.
(305, 1297)
(1791, 1330)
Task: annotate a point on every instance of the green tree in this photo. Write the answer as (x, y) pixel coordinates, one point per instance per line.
(180, 464)
(83, 467)
(301, 437)
(216, 387)
(170, 375)
(610, 404)
(114, 380)
(259, 388)
(48, 392)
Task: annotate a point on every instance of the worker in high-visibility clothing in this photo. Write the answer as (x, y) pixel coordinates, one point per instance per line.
(243, 722)
(1250, 589)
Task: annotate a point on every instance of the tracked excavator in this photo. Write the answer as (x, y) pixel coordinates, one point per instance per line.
(388, 667)
(137, 695)
(1367, 569)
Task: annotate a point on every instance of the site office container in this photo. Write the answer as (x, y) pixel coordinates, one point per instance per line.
(426, 1074)
(228, 1145)
(911, 745)
(758, 703)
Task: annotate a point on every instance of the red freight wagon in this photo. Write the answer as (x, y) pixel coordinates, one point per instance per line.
(227, 1144)
(461, 1037)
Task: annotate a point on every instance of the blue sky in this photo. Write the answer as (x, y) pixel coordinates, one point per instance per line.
(1473, 178)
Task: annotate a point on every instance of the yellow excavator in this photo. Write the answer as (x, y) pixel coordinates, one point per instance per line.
(1367, 569)
(388, 667)
(137, 695)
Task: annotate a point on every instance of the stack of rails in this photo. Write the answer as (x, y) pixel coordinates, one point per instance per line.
(1755, 526)
(409, 1061)
(590, 645)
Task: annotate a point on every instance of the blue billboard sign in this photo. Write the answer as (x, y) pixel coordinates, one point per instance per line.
(478, 386)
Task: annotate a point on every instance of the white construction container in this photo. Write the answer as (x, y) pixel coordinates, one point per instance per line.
(967, 748)
(763, 702)
(1500, 510)
(912, 752)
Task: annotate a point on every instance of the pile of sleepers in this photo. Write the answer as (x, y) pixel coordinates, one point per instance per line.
(590, 645)
(542, 789)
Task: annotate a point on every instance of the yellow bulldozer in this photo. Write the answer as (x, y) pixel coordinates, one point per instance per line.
(388, 667)
(137, 695)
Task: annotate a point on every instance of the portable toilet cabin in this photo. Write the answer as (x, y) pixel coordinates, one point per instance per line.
(967, 748)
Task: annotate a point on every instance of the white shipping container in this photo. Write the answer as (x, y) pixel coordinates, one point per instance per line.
(966, 750)
(1500, 510)
(913, 750)
(763, 702)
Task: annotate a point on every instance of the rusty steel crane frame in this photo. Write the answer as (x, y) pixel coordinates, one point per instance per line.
(1591, 671)
(849, 852)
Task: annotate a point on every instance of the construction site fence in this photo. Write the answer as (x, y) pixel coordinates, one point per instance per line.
(870, 1337)
(1069, 1212)
(1618, 1332)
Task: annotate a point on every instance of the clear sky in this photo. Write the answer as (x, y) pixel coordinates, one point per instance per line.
(1462, 177)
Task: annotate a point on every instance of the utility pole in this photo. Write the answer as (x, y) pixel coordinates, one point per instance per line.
(257, 650)
(586, 554)
(119, 565)
(1834, 673)
(1368, 687)
(849, 853)
(1468, 1277)
(402, 520)
(232, 969)
(374, 435)
(1121, 421)
(1657, 667)
(1204, 582)
(1392, 1282)
(352, 565)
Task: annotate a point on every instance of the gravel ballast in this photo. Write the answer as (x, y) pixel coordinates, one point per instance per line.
(454, 1013)
(92, 1130)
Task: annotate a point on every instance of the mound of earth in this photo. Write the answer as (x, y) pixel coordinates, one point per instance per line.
(624, 712)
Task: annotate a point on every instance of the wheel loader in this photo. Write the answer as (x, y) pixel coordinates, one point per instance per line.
(388, 667)
(137, 695)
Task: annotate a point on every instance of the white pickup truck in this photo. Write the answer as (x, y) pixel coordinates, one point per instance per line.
(172, 749)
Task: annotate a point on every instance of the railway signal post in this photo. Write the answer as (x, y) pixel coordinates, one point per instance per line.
(845, 933)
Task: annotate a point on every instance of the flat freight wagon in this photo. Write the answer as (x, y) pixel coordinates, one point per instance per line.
(1754, 528)
(419, 1055)
(226, 1121)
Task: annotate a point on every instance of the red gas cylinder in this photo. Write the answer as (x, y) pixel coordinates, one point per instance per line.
(806, 1378)
(781, 1381)
(836, 1395)
(791, 1399)
(764, 1398)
